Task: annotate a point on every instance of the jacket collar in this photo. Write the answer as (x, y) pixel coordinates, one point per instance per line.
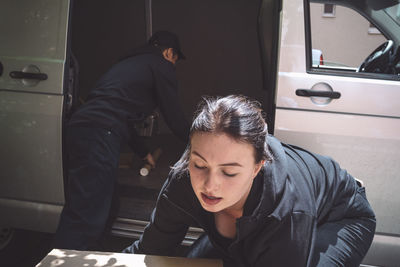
(263, 203)
(146, 49)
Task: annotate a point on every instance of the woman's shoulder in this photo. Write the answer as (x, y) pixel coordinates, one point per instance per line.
(327, 183)
(177, 186)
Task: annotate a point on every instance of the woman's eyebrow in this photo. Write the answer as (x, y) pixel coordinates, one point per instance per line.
(224, 164)
(200, 156)
(231, 164)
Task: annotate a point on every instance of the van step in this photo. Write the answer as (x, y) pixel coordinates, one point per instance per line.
(124, 227)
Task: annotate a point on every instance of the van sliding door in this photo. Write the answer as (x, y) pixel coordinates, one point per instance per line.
(32, 55)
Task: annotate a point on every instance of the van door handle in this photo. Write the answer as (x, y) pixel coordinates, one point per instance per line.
(28, 75)
(309, 93)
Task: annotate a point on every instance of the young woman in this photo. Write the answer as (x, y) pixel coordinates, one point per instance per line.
(259, 201)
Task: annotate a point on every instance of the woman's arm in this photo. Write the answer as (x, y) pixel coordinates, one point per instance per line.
(165, 231)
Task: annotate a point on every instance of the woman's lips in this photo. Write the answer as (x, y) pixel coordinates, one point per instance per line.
(210, 200)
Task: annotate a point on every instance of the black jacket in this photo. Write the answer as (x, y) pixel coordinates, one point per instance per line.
(288, 199)
(129, 92)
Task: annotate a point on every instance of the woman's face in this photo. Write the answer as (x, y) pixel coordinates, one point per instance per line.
(221, 171)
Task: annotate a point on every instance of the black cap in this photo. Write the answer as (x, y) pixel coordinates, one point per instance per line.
(168, 39)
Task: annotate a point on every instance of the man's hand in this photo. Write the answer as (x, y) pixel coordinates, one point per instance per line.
(149, 158)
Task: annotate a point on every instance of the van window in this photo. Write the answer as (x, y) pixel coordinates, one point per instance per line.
(329, 10)
(394, 13)
(342, 41)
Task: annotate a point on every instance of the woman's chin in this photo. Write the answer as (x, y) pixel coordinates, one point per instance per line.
(211, 208)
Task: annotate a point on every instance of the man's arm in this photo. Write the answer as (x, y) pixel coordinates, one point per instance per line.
(138, 146)
(168, 100)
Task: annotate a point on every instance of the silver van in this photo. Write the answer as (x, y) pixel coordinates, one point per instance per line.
(53, 51)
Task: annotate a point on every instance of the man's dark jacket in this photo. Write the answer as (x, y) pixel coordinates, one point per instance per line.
(129, 92)
(294, 194)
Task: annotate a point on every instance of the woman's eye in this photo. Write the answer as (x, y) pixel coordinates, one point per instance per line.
(199, 167)
(229, 174)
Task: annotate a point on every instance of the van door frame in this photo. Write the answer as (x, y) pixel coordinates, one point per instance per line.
(269, 26)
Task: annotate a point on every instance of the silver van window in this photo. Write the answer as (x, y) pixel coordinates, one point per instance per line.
(342, 41)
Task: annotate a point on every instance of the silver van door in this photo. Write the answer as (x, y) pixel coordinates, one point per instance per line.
(325, 104)
(32, 55)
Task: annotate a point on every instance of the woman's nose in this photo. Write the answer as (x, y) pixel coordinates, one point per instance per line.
(211, 183)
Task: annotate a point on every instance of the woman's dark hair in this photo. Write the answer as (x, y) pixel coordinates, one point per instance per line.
(235, 115)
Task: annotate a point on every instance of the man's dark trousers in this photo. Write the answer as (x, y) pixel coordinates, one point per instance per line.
(92, 164)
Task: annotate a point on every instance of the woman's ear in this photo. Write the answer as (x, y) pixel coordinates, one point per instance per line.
(258, 168)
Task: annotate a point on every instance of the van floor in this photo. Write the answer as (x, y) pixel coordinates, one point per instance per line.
(137, 194)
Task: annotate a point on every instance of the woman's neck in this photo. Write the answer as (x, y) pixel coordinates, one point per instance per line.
(225, 224)
(234, 213)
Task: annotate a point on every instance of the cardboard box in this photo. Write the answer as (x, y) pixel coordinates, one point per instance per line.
(74, 258)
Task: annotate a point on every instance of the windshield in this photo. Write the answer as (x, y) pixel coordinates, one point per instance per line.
(394, 13)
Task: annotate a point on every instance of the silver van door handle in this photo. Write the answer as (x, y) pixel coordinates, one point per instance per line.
(310, 93)
(28, 75)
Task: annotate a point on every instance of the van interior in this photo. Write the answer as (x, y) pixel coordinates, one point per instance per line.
(224, 55)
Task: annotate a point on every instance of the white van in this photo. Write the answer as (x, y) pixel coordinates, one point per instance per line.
(53, 51)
